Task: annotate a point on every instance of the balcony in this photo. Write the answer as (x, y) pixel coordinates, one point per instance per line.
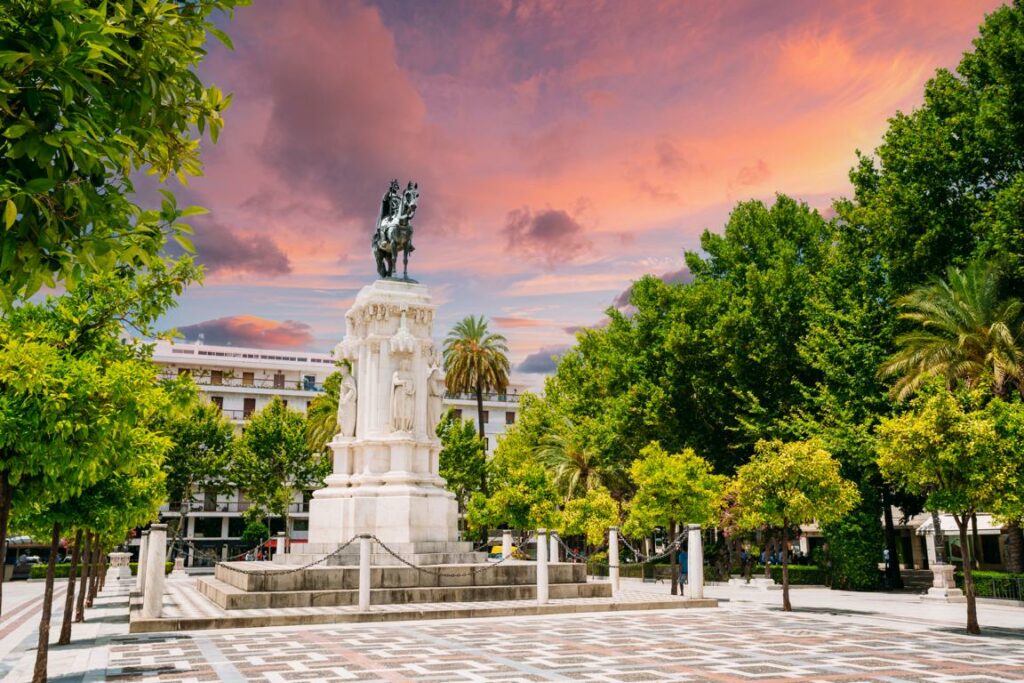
(230, 506)
(253, 383)
(508, 397)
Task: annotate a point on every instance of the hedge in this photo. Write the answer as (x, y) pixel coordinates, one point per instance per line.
(1001, 585)
(38, 571)
(799, 574)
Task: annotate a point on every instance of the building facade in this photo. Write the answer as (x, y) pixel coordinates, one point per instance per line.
(241, 381)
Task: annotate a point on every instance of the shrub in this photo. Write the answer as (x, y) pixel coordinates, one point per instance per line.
(1001, 585)
(799, 574)
(855, 548)
(38, 571)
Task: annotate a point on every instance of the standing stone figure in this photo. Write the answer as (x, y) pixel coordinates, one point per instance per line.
(403, 396)
(347, 404)
(435, 396)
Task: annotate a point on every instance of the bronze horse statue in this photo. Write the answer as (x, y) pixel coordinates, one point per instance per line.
(394, 229)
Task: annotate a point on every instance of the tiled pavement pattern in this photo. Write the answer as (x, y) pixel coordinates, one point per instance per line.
(730, 644)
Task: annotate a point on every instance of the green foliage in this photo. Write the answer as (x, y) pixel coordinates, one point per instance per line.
(272, 461)
(475, 360)
(254, 533)
(1002, 585)
(91, 93)
(61, 571)
(462, 460)
(573, 465)
(799, 574)
(590, 516)
(678, 488)
(322, 417)
(855, 545)
(791, 483)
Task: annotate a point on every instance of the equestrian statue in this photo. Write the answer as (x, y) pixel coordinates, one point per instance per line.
(394, 229)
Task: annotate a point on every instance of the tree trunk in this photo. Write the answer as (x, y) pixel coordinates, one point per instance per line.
(940, 539)
(6, 494)
(97, 570)
(86, 573)
(93, 570)
(673, 563)
(1014, 547)
(69, 599)
(42, 649)
(892, 568)
(975, 543)
(786, 607)
(972, 606)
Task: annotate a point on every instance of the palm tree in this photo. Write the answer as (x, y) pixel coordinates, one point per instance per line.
(475, 361)
(573, 466)
(965, 333)
(322, 416)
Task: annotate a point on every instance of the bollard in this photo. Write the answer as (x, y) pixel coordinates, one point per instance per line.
(506, 543)
(695, 563)
(281, 541)
(364, 572)
(542, 567)
(153, 596)
(140, 570)
(552, 548)
(613, 559)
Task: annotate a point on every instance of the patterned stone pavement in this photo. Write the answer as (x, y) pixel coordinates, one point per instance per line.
(731, 644)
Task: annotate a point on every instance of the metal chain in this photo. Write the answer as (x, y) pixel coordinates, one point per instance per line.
(641, 559)
(433, 572)
(573, 553)
(282, 572)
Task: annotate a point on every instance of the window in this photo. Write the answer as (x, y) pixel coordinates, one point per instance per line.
(207, 527)
(510, 417)
(216, 377)
(990, 549)
(487, 416)
(309, 383)
(248, 407)
(236, 525)
(218, 401)
(279, 380)
(247, 379)
(184, 372)
(300, 525)
(458, 413)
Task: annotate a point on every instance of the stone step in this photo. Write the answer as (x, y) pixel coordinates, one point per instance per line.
(381, 559)
(268, 577)
(229, 597)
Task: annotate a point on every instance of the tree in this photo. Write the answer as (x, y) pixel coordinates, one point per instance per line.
(960, 452)
(462, 461)
(476, 361)
(590, 515)
(572, 464)
(322, 417)
(788, 484)
(963, 330)
(90, 94)
(200, 454)
(272, 460)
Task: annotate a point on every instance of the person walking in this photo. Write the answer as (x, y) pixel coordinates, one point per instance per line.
(684, 567)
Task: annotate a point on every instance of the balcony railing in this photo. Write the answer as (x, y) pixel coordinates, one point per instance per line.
(232, 506)
(508, 397)
(254, 383)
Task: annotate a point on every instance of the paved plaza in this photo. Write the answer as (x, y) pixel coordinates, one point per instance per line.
(832, 637)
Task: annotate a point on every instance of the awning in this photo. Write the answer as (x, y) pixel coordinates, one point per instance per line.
(949, 528)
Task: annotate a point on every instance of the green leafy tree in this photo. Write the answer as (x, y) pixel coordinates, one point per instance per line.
(788, 484)
(960, 452)
(254, 534)
(91, 93)
(462, 461)
(272, 461)
(322, 417)
(590, 516)
(200, 455)
(476, 361)
(574, 465)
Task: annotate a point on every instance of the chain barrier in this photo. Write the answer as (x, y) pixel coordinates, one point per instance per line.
(575, 554)
(292, 570)
(471, 572)
(642, 559)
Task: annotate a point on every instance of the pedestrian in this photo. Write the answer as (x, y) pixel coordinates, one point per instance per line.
(684, 566)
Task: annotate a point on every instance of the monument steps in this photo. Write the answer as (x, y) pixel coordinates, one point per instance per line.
(229, 597)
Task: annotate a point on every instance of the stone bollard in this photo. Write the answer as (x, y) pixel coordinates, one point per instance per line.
(281, 544)
(506, 543)
(153, 595)
(542, 566)
(119, 568)
(695, 564)
(179, 569)
(364, 572)
(944, 585)
(140, 571)
(553, 548)
(613, 559)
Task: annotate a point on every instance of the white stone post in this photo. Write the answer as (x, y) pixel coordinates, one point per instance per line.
(552, 547)
(506, 543)
(542, 566)
(364, 572)
(281, 541)
(179, 569)
(613, 559)
(140, 571)
(153, 598)
(695, 563)
(224, 553)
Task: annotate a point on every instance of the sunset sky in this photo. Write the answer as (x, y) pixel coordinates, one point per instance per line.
(561, 149)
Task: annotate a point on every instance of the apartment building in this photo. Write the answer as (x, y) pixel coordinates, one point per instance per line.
(241, 381)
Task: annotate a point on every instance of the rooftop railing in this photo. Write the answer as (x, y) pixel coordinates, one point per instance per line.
(507, 397)
(255, 383)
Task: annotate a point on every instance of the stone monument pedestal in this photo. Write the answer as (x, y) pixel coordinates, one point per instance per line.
(944, 585)
(119, 568)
